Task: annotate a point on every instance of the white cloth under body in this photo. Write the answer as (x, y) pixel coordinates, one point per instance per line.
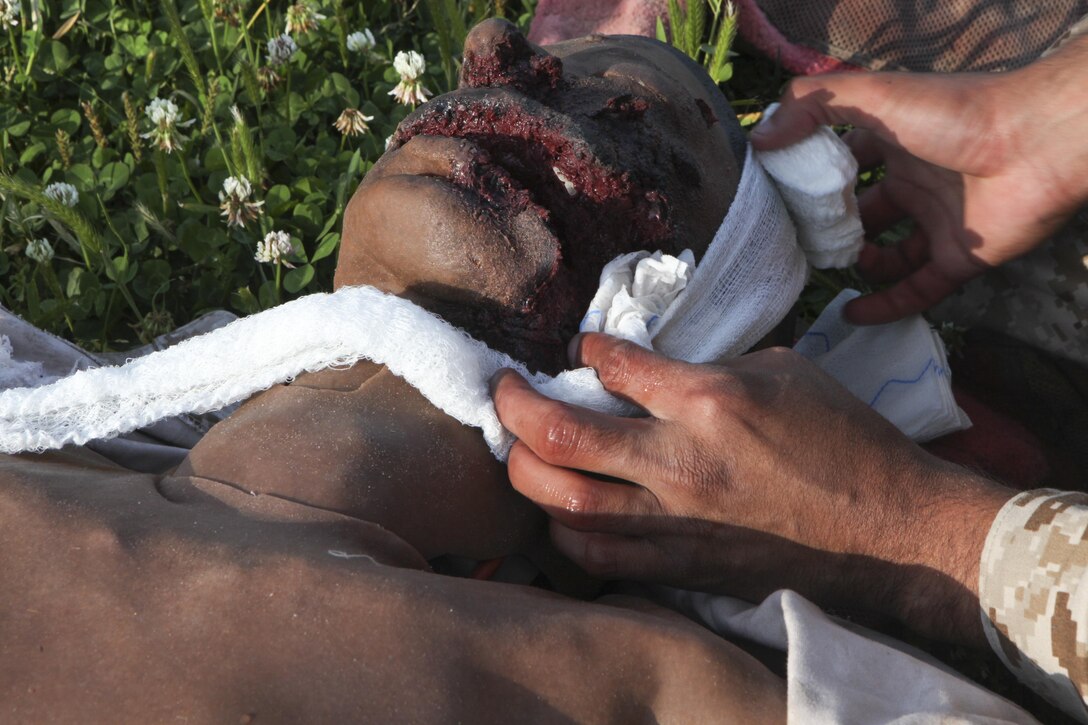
(842, 673)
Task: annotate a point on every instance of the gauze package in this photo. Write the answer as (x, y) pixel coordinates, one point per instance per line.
(899, 369)
(816, 178)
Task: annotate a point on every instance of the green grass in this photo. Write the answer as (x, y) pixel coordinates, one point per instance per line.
(146, 247)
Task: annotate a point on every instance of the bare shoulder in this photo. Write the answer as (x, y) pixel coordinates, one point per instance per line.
(362, 442)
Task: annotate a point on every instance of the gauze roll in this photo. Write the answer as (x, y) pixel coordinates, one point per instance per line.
(816, 178)
(450, 368)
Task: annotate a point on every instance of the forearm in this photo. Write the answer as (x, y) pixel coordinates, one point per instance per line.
(944, 528)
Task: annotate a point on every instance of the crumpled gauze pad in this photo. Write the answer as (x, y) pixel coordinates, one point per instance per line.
(816, 178)
(636, 290)
(450, 368)
(899, 369)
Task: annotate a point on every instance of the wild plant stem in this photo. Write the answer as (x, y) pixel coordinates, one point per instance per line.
(188, 179)
(287, 95)
(54, 284)
(253, 59)
(164, 187)
(215, 44)
(14, 47)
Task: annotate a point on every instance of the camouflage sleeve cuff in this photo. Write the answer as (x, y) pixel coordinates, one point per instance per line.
(1034, 594)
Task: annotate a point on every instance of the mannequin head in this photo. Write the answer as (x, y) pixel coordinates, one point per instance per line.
(497, 204)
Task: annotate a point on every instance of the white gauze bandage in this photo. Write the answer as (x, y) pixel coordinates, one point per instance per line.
(816, 178)
(450, 368)
(746, 282)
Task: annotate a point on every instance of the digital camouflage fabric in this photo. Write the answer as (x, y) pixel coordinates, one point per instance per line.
(1040, 299)
(1034, 594)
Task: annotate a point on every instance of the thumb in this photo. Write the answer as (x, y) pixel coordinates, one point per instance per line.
(642, 376)
(854, 98)
(806, 105)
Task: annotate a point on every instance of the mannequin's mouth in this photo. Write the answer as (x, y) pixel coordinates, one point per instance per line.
(532, 159)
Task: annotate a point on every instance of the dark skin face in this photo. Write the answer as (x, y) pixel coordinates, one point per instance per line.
(470, 220)
(498, 204)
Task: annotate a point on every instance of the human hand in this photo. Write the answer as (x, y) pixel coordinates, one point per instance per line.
(759, 474)
(987, 165)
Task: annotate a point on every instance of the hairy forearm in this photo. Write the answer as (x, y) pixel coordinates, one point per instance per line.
(940, 551)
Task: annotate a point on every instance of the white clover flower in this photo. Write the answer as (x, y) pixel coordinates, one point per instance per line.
(40, 250)
(236, 186)
(352, 122)
(388, 141)
(302, 18)
(361, 41)
(410, 65)
(164, 116)
(280, 50)
(410, 91)
(162, 111)
(235, 204)
(64, 193)
(273, 248)
(9, 12)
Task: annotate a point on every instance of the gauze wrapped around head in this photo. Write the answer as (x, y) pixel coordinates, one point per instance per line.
(746, 282)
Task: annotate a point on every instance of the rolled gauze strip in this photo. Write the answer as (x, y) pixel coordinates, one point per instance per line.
(447, 366)
(816, 178)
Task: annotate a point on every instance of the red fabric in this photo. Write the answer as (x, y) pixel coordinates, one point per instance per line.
(558, 20)
(754, 27)
(995, 445)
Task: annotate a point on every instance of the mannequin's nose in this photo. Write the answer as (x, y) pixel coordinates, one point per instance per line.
(497, 54)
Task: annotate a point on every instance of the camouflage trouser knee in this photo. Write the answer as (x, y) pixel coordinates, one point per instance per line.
(1040, 299)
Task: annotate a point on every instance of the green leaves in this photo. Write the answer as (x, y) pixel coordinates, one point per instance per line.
(147, 241)
(688, 30)
(720, 66)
